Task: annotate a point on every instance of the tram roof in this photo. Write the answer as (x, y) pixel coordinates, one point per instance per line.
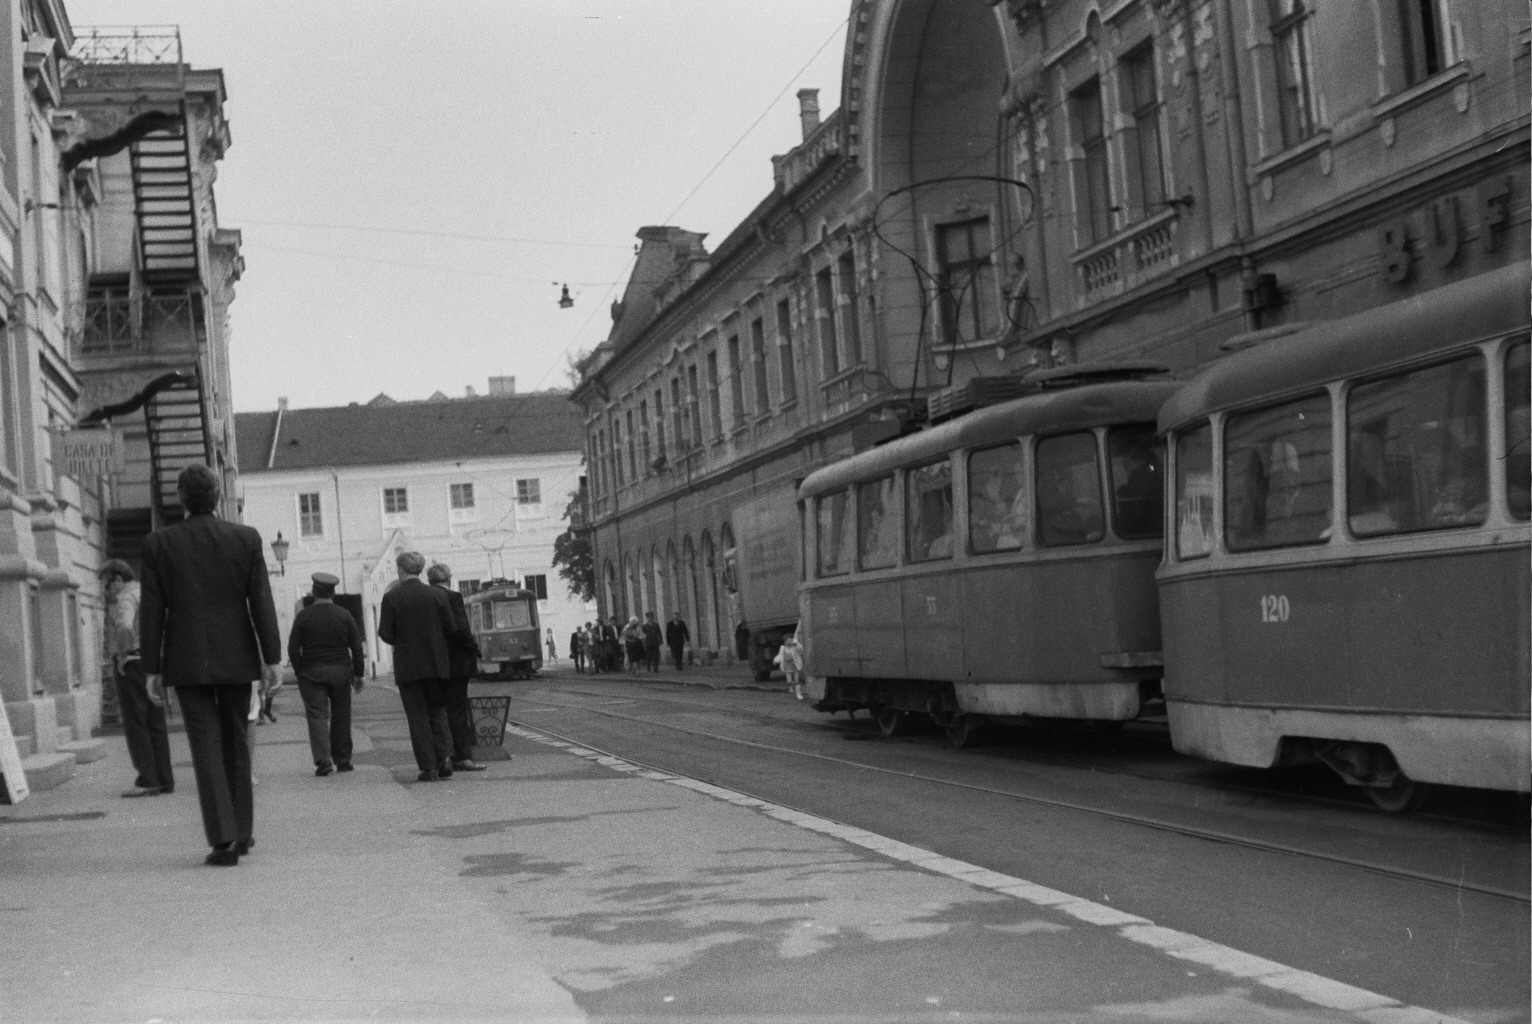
(1047, 412)
(1483, 306)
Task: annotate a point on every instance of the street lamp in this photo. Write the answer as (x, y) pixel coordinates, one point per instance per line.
(279, 550)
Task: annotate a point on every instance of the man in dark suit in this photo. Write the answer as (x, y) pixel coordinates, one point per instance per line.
(208, 628)
(462, 663)
(676, 636)
(416, 620)
(325, 650)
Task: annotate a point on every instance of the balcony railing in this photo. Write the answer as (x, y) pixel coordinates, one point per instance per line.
(112, 44)
(128, 322)
(1128, 259)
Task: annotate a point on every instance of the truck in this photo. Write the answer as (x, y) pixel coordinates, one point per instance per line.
(761, 574)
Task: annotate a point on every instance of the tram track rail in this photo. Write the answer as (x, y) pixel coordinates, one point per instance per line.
(1138, 820)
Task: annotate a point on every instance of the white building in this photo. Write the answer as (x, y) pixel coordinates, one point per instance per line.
(479, 483)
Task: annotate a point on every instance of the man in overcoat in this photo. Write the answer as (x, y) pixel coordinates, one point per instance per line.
(207, 627)
(462, 663)
(676, 637)
(416, 620)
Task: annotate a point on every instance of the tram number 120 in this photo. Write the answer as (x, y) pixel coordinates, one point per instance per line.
(1274, 608)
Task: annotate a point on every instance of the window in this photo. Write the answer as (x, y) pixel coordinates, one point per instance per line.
(1194, 493)
(758, 365)
(660, 451)
(537, 583)
(851, 308)
(1146, 163)
(633, 471)
(469, 587)
(1425, 33)
(643, 426)
(997, 504)
(833, 514)
(617, 449)
(460, 503)
(928, 512)
(736, 383)
(1277, 475)
(829, 345)
(1133, 459)
(678, 416)
(511, 614)
(966, 281)
(693, 407)
(715, 403)
(877, 537)
(310, 521)
(396, 506)
(1416, 457)
(1518, 430)
(1068, 487)
(785, 352)
(529, 498)
(603, 472)
(1094, 189)
(1292, 34)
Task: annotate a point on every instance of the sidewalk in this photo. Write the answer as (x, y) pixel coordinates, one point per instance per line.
(561, 886)
(738, 676)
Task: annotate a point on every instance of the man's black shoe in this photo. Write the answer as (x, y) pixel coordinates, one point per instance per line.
(324, 768)
(469, 765)
(427, 777)
(243, 846)
(224, 855)
(344, 766)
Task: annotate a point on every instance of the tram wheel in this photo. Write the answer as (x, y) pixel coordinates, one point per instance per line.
(962, 730)
(893, 722)
(1401, 796)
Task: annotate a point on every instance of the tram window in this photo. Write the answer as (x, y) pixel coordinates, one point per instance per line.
(877, 539)
(1518, 430)
(1417, 459)
(512, 615)
(1137, 499)
(1069, 491)
(1194, 493)
(997, 504)
(834, 536)
(1277, 482)
(928, 512)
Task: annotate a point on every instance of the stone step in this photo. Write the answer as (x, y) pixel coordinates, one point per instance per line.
(25, 746)
(45, 771)
(63, 734)
(85, 751)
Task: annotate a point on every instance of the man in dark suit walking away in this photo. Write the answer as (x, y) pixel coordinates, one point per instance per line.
(416, 620)
(676, 636)
(325, 650)
(462, 663)
(208, 628)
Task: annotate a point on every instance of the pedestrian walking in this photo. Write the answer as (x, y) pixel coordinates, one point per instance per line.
(553, 648)
(653, 637)
(415, 619)
(576, 651)
(608, 644)
(462, 662)
(207, 627)
(143, 722)
(324, 648)
(633, 644)
(791, 656)
(677, 636)
(591, 647)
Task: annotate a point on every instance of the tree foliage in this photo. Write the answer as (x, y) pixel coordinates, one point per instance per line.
(572, 556)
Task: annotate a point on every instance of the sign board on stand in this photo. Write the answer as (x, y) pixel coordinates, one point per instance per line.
(13, 787)
(87, 453)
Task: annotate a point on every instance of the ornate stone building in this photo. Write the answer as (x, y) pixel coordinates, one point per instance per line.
(115, 280)
(1014, 183)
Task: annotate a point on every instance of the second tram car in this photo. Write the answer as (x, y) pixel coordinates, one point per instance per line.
(1347, 574)
(504, 621)
(996, 566)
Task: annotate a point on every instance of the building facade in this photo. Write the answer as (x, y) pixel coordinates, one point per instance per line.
(479, 483)
(1011, 184)
(113, 274)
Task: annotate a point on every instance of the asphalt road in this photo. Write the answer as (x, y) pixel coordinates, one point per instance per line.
(1429, 909)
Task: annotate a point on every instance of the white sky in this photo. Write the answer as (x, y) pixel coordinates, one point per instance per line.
(558, 126)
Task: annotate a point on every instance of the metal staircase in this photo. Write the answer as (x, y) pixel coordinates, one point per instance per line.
(177, 421)
(164, 203)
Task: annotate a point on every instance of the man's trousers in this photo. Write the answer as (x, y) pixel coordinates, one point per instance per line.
(426, 712)
(218, 732)
(459, 719)
(143, 725)
(326, 691)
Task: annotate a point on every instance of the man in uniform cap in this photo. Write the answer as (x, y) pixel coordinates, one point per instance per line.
(325, 650)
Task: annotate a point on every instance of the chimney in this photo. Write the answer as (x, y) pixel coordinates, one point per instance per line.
(468, 393)
(502, 386)
(282, 403)
(808, 110)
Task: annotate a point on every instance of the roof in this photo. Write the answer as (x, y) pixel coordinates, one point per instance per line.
(486, 427)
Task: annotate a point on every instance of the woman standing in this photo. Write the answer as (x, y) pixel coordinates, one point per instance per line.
(633, 644)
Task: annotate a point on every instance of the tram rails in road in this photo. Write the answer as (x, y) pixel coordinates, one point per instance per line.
(1187, 828)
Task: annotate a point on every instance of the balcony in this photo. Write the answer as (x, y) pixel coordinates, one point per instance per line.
(1126, 260)
(131, 322)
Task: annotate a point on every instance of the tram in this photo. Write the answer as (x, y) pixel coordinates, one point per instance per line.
(995, 566)
(1347, 574)
(504, 621)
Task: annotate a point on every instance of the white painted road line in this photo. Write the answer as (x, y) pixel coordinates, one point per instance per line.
(1316, 989)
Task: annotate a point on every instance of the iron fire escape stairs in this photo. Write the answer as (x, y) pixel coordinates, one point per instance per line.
(164, 203)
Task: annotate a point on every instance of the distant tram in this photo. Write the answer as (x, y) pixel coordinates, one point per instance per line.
(1348, 575)
(504, 621)
(996, 566)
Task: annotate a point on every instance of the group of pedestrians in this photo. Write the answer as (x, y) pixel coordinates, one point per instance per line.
(611, 645)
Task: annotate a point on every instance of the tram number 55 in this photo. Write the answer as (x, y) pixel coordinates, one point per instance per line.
(1274, 608)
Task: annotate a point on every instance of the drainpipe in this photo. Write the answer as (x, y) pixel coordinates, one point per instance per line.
(340, 534)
